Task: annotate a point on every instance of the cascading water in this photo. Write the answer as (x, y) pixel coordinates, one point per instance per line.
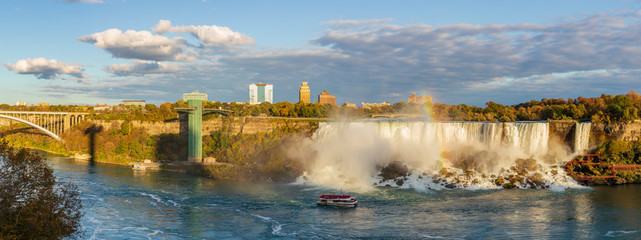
(582, 137)
(433, 155)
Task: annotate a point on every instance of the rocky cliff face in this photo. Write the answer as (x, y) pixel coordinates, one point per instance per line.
(246, 125)
(565, 131)
(630, 131)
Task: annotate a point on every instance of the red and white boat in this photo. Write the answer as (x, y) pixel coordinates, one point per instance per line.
(337, 200)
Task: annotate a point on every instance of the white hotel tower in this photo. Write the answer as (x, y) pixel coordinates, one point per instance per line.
(261, 92)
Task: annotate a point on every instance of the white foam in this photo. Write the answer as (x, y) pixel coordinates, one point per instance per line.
(174, 203)
(154, 197)
(436, 237)
(619, 233)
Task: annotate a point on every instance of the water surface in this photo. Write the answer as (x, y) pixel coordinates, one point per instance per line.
(121, 203)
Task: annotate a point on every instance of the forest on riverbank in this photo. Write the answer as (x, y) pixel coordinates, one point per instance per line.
(605, 108)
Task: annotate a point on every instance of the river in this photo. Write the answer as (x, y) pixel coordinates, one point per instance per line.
(121, 203)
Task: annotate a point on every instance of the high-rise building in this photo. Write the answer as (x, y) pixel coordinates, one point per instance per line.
(418, 99)
(303, 94)
(326, 98)
(261, 92)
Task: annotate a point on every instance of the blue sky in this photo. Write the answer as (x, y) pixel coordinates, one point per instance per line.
(103, 51)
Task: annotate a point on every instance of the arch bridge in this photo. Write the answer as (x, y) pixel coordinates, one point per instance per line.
(50, 123)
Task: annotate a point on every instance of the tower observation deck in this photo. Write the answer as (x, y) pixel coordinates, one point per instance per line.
(195, 113)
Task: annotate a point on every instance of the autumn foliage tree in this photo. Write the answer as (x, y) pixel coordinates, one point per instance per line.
(33, 205)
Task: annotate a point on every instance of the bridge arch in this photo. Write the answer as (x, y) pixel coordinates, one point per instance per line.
(54, 136)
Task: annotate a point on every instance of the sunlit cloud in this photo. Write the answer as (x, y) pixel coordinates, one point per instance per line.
(46, 68)
(207, 34)
(142, 45)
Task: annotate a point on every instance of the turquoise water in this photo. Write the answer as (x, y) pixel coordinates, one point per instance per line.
(120, 203)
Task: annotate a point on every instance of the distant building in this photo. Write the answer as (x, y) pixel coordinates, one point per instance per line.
(419, 99)
(371, 105)
(19, 103)
(140, 103)
(103, 107)
(304, 95)
(261, 92)
(349, 105)
(326, 98)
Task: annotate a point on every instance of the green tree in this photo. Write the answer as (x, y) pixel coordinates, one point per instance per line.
(33, 205)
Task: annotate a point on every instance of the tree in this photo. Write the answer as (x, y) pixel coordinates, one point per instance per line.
(33, 205)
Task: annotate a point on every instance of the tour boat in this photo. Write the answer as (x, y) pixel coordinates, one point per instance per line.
(337, 200)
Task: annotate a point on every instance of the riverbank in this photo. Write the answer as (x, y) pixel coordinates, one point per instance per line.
(243, 156)
(612, 163)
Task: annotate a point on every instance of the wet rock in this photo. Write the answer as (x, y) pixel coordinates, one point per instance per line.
(394, 170)
(400, 182)
(450, 186)
(499, 181)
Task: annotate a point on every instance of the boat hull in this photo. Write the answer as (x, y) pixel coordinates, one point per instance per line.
(319, 203)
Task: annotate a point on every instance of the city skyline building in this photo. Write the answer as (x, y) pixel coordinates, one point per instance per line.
(304, 95)
(261, 92)
(326, 98)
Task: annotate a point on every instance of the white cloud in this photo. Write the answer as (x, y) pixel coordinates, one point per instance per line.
(459, 63)
(45, 68)
(139, 68)
(140, 45)
(85, 1)
(207, 34)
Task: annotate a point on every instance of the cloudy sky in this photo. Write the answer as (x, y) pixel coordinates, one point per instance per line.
(103, 51)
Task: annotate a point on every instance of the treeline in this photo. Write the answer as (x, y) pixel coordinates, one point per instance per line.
(45, 108)
(606, 108)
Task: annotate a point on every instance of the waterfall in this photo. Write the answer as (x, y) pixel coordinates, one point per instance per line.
(582, 137)
(531, 138)
(353, 152)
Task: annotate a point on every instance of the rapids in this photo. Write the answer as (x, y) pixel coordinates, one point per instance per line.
(422, 155)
